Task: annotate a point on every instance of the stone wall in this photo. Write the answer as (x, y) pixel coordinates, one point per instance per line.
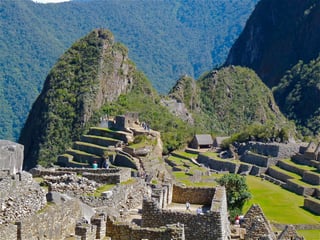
(298, 189)
(20, 197)
(311, 177)
(255, 159)
(100, 141)
(244, 168)
(278, 175)
(289, 233)
(291, 168)
(218, 165)
(124, 160)
(211, 225)
(312, 205)
(11, 156)
(122, 231)
(121, 197)
(8, 231)
(299, 159)
(100, 175)
(274, 149)
(194, 195)
(53, 222)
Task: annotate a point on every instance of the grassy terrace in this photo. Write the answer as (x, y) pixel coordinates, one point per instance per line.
(78, 152)
(216, 157)
(291, 174)
(103, 129)
(100, 137)
(304, 184)
(303, 167)
(185, 154)
(278, 204)
(91, 145)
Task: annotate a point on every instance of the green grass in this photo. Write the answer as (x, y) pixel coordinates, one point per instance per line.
(291, 174)
(278, 204)
(310, 234)
(91, 145)
(303, 167)
(303, 184)
(186, 155)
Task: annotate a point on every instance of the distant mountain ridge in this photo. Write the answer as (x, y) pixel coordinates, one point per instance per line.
(166, 39)
(95, 78)
(279, 37)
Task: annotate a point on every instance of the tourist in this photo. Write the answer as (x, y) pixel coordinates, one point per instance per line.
(105, 164)
(199, 211)
(237, 220)
(187, 206)
(95, 165)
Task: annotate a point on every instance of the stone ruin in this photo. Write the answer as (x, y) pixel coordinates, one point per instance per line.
(258, 227)
(136, 211)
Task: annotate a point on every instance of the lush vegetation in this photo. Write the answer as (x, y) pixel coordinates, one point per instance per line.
(64, 109)
(173, 38)
(272, 46)
(227, 100)
(298, 95)
(263, 133)
(174, 132)
(237, 192)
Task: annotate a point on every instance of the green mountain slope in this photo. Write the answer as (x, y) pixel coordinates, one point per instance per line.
(92, 78)
(277, 35)
(228, 100)
(298, 95)
(278, 38)
(166, 39)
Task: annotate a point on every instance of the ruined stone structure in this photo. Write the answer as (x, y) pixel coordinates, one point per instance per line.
(120, 231)
(123, 122)
(11, 156)
(20, 197)
(100, 175)
(256, 224)
(213, 224)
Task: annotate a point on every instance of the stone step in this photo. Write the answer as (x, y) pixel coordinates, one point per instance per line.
(291, 166)
(83, 157)
(126, 137)
(101, 141)
(90, 148)
(281, 174)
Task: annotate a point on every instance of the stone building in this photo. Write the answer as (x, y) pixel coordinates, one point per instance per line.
(201, 141)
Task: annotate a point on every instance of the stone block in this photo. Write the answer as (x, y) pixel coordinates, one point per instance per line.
(107, 194)
(11, 156)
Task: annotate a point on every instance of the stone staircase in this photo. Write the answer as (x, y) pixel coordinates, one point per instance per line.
(92, 147)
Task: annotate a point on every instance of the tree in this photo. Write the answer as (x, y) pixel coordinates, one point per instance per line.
(237, 192)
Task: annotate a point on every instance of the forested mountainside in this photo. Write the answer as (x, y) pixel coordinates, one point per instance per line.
(166, 39)
(298, 95)
(277, 37)
(91, 75)
(228, 100)
(95, 77)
